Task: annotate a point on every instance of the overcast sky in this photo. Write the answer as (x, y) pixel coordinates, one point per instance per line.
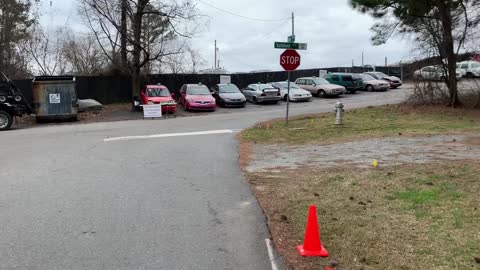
(335, 33)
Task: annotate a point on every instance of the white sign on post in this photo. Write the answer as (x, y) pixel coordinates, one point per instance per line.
(54, 98)
(225, 79)
(152, 111)
(322, 73)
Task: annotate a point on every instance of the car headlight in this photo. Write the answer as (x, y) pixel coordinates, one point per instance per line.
(150, 103)
(227, 99)
(18, 98)
(3, 99)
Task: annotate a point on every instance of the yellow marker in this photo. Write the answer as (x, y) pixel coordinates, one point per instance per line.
(375, 163)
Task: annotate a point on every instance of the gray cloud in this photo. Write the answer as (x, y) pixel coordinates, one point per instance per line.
(335, 33)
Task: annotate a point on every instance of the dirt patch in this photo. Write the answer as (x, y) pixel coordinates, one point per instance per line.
(473, 141)
(110, 113)
(245, 153)
(388, 151)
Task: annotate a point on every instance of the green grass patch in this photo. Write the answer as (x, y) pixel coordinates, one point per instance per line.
(361, 123)
(424, 217)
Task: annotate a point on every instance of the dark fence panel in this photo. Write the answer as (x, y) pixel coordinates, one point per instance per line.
(105, 89)
(116, 89)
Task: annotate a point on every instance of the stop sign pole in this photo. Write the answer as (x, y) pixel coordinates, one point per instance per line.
(290, 59)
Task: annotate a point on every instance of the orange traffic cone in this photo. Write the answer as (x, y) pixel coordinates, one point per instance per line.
(312, 246)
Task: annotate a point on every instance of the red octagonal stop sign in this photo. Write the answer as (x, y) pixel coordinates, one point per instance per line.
(290, 60)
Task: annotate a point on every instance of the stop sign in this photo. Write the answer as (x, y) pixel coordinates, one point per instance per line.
(290, 60)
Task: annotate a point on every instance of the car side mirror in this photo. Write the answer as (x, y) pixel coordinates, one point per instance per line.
(314, 84)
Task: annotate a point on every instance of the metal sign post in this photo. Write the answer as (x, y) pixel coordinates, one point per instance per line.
(290, 39)
(290, 59)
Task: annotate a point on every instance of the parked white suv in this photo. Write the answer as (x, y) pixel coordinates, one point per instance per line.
(469, 69)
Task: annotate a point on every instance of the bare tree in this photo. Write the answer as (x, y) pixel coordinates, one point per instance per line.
(83, 55)
(151, 24)
(44, 50)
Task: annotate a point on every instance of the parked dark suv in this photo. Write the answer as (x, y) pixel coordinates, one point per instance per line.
(348, 80)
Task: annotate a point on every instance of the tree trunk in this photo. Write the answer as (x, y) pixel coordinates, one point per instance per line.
(446, 16)
(136, 82)
(137, 46)
(123, 33)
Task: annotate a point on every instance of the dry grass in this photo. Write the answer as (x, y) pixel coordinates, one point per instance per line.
(406, 217)
(366, 123)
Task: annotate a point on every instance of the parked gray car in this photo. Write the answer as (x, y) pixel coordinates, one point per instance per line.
(262, 93)
(228, 95)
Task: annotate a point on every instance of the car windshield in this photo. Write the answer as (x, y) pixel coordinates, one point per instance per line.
(320, 81)
(378, 75)
(157, 92)
(198, 90)
(228, 88)
(265, 87)
(285, 85)
(366, 77)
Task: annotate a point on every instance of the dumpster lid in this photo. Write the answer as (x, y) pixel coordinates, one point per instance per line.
(53, 78)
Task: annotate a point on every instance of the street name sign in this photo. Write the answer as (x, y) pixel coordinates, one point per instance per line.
(290, 45)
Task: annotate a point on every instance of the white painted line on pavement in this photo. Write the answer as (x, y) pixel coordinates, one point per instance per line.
(155, 136)
(270, 254)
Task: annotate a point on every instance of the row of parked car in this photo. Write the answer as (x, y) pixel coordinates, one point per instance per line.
(198, 97)
(466, 69)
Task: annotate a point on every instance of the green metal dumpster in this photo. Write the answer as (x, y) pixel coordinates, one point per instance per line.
(55, 98)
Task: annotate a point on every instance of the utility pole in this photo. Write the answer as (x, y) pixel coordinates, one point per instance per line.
(288, 82)
(401, 70)
(363, 65)
(215, 62)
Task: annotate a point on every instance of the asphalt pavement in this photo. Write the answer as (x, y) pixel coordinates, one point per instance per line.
(88, 196)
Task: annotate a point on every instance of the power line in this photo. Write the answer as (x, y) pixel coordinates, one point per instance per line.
(274, 30)
(241, 16)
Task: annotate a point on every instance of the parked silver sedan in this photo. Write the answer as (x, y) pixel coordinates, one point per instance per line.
(262, 93)
(296, 93)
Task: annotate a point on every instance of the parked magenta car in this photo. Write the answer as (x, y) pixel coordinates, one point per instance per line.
(197, 97)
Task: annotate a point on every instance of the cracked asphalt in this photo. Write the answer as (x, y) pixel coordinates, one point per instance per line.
(69, 200)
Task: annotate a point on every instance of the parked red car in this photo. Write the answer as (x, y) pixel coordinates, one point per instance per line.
(156, 94)
(197, 97)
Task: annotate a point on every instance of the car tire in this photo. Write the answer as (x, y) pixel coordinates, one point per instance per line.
(353, 92)
(369, 88)
(254, 100)
(6, 120)
(285, 98)
(470, 75)
(321, 93)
